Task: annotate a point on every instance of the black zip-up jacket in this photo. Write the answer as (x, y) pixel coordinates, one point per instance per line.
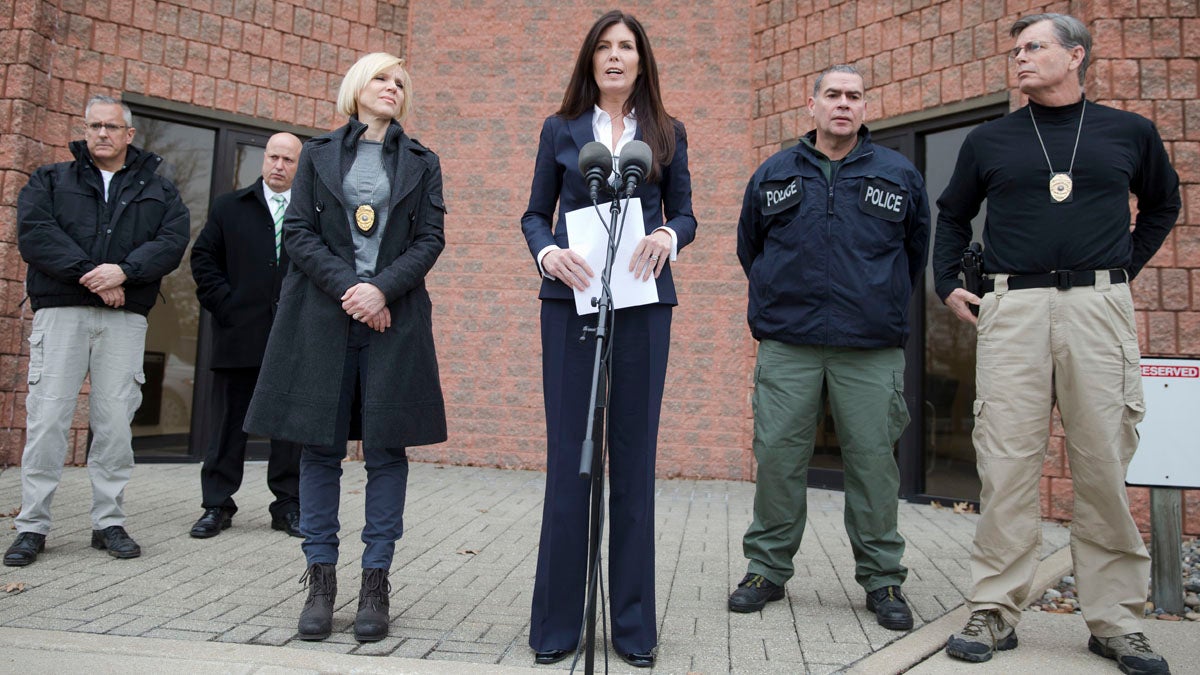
(65, 229)
(833, 262)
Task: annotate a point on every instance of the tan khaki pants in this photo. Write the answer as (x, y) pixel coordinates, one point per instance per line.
(1077, 347)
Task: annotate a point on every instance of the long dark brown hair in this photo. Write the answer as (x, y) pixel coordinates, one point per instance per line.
(658, 128)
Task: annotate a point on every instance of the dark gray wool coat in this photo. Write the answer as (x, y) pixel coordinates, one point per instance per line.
(297, 393)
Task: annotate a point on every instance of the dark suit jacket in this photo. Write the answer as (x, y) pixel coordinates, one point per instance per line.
(558, 183)
(237, 277)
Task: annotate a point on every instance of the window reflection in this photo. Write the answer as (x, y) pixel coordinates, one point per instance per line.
(249, 163)
(161, 425)
(947, 417)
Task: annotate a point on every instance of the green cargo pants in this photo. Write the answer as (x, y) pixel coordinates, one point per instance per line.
(866, 396)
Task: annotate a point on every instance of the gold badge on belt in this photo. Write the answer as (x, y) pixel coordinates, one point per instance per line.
(364, 218)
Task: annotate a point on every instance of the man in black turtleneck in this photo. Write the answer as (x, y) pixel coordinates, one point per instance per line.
(1056, 326)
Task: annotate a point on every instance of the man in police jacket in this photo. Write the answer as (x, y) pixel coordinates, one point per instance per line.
(832, 237)
(99, 233)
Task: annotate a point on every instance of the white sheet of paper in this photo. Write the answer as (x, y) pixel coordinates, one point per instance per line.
(589, 238)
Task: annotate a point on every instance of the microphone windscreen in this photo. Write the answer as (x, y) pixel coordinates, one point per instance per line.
(636, 153)
(595, 155)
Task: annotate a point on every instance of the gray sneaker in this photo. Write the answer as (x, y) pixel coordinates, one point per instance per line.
(1131, 652)
(985, 632)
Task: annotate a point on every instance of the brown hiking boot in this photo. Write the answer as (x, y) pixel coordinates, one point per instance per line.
(985, 632)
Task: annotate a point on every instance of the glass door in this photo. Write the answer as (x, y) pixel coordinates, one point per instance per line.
(935, 453)
(204, 158)
(947, 419)
(161, 425)
(239, 164)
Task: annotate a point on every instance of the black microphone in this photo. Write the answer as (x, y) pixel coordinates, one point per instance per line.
(595, 163)
(635, 164)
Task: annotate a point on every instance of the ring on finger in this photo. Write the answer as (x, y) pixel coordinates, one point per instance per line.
(654, 257)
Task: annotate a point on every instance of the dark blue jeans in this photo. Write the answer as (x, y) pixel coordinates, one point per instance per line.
(321, 473)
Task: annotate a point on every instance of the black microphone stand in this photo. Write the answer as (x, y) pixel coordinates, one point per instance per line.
(591, 463)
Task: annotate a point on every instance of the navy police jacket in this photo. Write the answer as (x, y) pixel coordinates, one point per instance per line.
(833, 262)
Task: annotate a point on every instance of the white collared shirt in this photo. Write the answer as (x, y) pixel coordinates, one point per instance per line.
(602, 128)
(268, 193)
(602, 131)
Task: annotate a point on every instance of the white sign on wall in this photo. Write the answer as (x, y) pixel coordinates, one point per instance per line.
(1169, 452)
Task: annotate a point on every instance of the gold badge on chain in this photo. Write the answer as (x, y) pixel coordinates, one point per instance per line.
(1060, 186)
(364, 218)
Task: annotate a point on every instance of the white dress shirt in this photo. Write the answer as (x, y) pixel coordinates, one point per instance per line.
(268, 193)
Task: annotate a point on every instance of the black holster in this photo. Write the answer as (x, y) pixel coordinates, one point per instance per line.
(972, 272)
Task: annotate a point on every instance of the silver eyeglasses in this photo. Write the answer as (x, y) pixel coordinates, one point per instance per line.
(1031, 47)
(110, 128)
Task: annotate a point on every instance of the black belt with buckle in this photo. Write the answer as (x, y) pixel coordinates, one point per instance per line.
(1062, 280)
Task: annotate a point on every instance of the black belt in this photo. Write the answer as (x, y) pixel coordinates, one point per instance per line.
(1062, 280)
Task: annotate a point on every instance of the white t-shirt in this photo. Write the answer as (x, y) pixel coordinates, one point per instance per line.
(107, 176)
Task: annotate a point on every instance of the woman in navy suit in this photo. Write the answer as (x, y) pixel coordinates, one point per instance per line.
(613, 97)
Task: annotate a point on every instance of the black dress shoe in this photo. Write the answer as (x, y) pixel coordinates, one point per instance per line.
(288, 522)
(890, 607)
(117, 541)
(549, 656)
(212, 522)
(24, 549)
(636, 660)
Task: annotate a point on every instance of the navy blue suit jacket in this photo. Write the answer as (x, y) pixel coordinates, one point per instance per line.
(557, 182)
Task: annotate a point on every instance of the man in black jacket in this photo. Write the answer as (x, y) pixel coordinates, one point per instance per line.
(238, 264)
(99, 233)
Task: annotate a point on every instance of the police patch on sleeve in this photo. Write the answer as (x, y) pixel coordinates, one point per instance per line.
(882, 199)
(778, 196)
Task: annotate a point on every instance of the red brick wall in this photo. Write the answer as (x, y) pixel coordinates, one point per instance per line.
(260, 58)
(486, 75)
(484, 79)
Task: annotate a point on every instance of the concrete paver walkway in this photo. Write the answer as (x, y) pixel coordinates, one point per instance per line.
(461, 580)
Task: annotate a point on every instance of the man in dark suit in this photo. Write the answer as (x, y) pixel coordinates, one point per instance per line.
(238, 264)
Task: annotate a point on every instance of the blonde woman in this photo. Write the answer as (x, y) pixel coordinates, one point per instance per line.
(351, 352)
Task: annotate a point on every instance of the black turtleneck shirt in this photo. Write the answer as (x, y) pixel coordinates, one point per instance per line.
(1025, 231)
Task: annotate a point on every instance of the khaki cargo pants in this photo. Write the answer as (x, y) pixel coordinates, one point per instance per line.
(1077, 347)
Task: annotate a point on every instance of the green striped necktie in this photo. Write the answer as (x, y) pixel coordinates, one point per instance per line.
(280, 207)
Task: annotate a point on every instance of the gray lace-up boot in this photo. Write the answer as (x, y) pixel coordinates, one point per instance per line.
(316, 619)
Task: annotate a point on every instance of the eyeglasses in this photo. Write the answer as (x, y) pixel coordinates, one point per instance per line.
(1032, 47)
(110, 128)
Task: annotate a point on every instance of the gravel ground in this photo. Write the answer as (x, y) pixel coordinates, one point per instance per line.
(1062, 598)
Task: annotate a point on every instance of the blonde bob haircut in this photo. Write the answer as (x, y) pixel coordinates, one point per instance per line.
(361, 73)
